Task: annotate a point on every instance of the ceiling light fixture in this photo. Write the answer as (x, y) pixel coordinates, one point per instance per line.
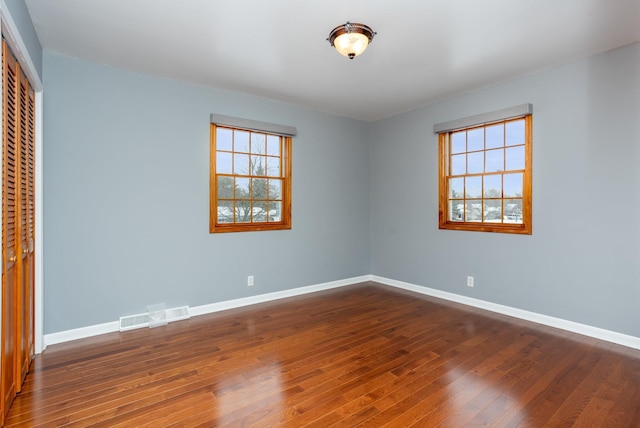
(351, 39)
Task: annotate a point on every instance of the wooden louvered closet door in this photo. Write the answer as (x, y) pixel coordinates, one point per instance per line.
(25, 287)
(9, 199)
(29, 251)
(18, 157)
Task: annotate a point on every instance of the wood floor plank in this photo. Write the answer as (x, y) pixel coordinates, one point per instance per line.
(567, 413)
(410, 397)
(559, 388)
(364, 355)
(626, 408)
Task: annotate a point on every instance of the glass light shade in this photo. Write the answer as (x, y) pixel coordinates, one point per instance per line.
(351, 39)
(351, 44)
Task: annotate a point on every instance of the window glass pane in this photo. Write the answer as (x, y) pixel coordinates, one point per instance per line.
(274, 211)
(243, 211)
(275, 189)
(456, 187)
(495, 160)
(273, 145)
(493, 211)
(224, 139)
(473, 187)
(259, 188)
(241, 141)
(473, 211)
(258, 143)
(225, 188)
(513, 210)
(475, 139)
(493, 186)
(515, 132)
(273, 167)
(515, 158)
(495, 136)
(476, 163)
(258, 165)
(456, 210)
(512, 185)
(241, 164)
(458, 142)
(225, 212)
(224, 164)
(259, 212)
(458, 164)
(242, 188)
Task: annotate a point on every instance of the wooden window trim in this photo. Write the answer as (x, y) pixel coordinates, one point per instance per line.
(525, 228)
(285, 221)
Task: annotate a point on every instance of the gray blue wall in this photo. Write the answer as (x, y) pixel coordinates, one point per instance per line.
(126, 198)
(582, 262)
(20, 15)
(126, 202)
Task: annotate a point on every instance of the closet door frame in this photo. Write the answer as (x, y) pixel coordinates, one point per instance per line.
(9, 31)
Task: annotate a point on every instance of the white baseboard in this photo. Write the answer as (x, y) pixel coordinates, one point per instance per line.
(585, 330)
(261, 298)
(80, 333)
(110, 327)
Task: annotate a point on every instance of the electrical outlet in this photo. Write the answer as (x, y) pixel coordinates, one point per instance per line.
(250, 281)
(469, 281)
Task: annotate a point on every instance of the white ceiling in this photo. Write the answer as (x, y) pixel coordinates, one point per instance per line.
(425, 50)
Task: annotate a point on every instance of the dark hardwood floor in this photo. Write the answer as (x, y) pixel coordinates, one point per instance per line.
(364, 355)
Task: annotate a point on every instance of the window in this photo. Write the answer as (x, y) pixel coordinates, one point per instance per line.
(250, 181)
(485, 176)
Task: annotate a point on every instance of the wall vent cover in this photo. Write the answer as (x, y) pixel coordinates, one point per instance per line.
(151, 319)
(134, 321)
(177, 314)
